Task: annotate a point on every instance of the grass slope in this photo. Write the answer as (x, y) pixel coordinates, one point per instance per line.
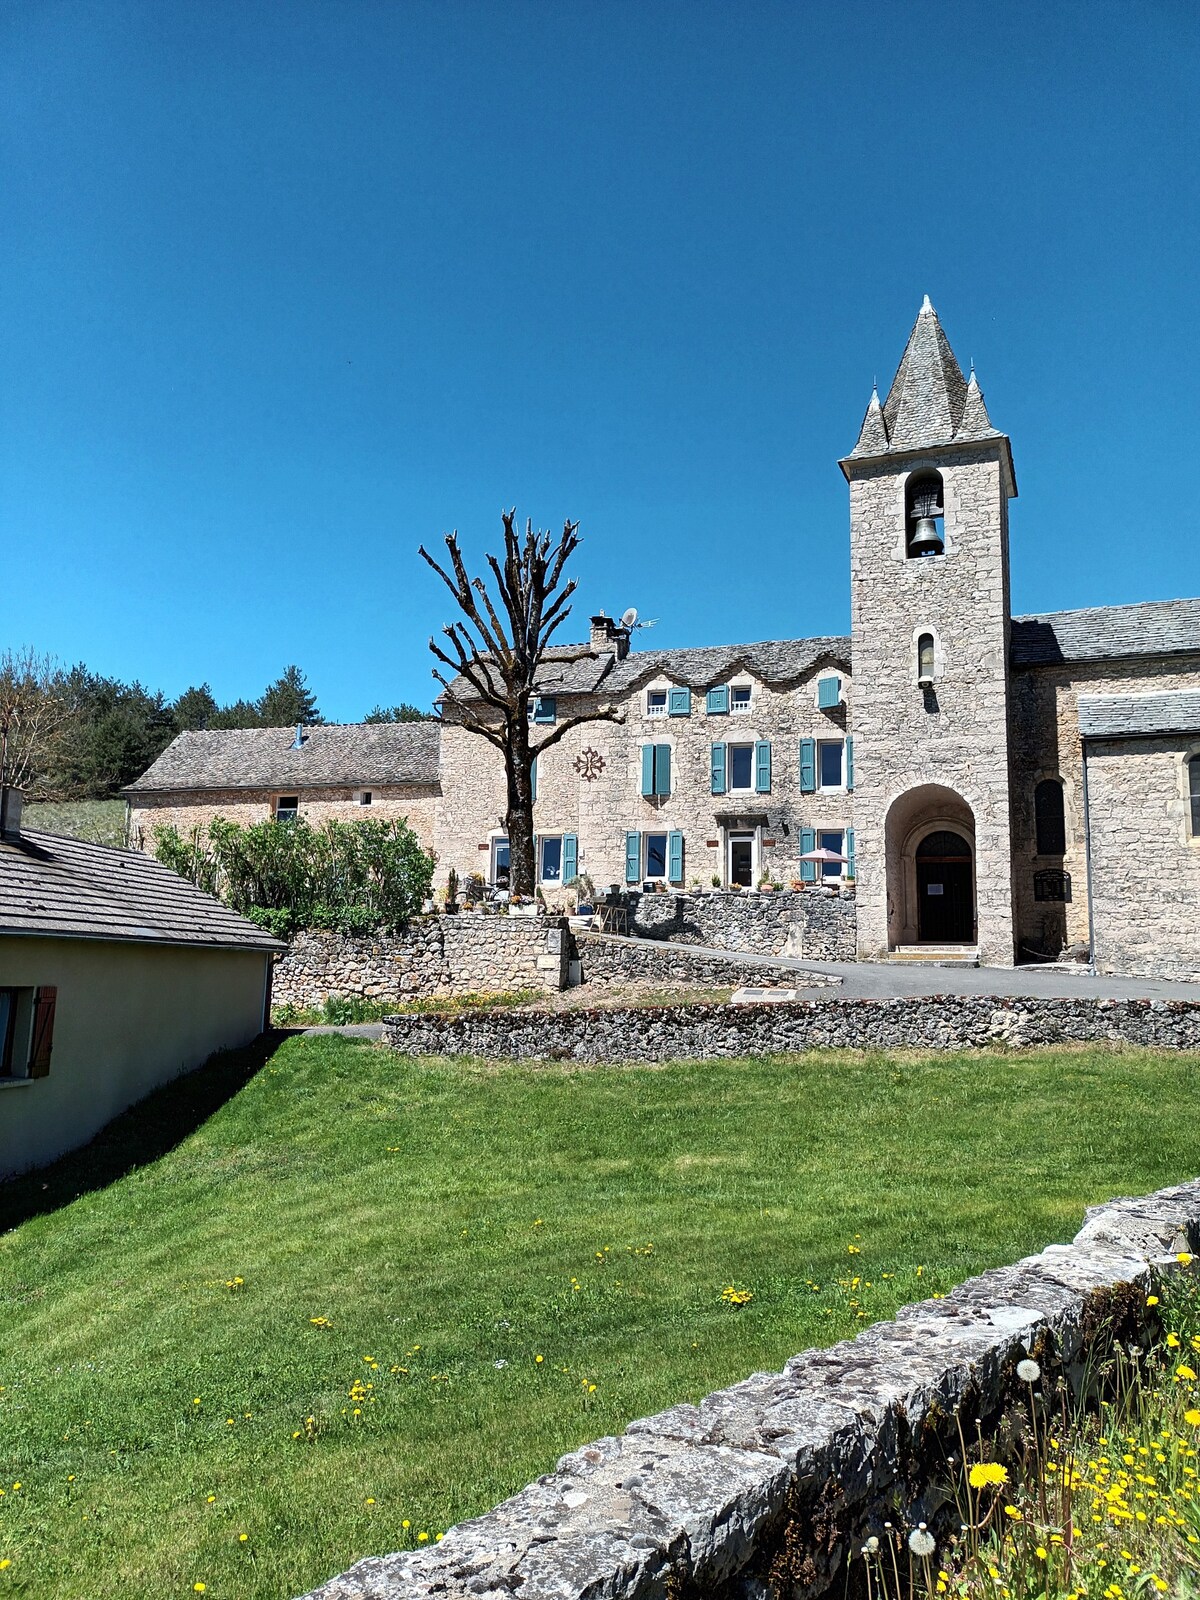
(98, 821)
(510, 1260)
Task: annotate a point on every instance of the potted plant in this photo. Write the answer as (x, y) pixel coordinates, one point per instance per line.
(452, 892)
(716, 880)
(764, 883)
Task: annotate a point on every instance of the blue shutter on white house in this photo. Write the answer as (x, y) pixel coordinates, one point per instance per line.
(808, 841)
(718, 769)
(533, 779)
(570, 857)
(808, 767)
(662, 769)
(717, 701)
(545, 708)
(647, 770)
(633, 857)
(675, 857)
(762, 766)
(829, 693)
(679, 702)
(849, 764)
(849, 853)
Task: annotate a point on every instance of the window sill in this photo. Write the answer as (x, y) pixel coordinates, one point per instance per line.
(16, 1083)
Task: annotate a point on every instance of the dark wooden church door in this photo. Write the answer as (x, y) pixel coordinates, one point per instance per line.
(945, 890)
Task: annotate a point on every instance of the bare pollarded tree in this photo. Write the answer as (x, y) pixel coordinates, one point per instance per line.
(32, 710)
(497, 649)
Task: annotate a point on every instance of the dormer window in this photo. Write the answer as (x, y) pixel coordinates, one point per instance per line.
(656, 702)
(924, 511)
(739, 698)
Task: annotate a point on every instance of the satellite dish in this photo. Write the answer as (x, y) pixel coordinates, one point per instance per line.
(629, 618)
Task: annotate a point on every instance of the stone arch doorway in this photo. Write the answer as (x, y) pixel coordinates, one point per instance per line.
(930, 845)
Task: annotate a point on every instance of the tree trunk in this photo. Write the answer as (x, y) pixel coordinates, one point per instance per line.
(519, 815)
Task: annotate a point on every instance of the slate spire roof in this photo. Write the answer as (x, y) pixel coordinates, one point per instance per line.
(929, 402)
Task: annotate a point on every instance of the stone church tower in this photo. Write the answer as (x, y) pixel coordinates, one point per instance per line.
(930, 480)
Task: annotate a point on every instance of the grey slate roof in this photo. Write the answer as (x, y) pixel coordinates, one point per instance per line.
(1113, 715)
(336, 756)
(566, 669)
(929, 402)
(68, 888)
(1101, 633)
(772, 660)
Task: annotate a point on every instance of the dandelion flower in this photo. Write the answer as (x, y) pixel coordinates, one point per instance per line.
(1185, 1373)
(1151, 1299)
(1028, 1371)
(921, 1542)
(988, 1474)
(1011, 1511)
(1184, 1258)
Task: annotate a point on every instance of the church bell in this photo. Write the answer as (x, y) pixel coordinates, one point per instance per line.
(926, 538)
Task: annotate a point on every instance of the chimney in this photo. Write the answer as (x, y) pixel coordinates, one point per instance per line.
(607, 634)
(298, 741)
(11, 803)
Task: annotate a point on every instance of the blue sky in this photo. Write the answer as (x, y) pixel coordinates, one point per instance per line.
(289, 288)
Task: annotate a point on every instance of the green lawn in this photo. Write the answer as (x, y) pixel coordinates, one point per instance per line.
(510, 1259)
(98, 821)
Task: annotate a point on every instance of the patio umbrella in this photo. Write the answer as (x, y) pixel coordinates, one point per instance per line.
(823, 855)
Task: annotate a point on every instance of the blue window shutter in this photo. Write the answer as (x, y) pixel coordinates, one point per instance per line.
(662, 769)
(829, 693)
(718, 769)
(570, 859)
(545, 708)
(762, 766)
(679, 702)
(850, 764)
(675, 857)
(647, 769)
(533, 779)
(633, 857)
(850, 853)
(808, 841)
(717, 702)
(808, 767)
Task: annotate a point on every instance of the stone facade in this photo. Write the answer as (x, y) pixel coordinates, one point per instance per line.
(920, 1022)
(767, 1487)
(433, 955)
(415, 805)
(817, 923)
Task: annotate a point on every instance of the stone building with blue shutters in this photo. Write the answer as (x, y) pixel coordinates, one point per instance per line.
(1011, 787)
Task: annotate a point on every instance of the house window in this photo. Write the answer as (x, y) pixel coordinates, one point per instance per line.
(543, 708)
(8, 1028)
(656, 855)
(287, 808)
(829, 693)
(1049, 820)
(830, 754)
(364, 798)
(499, 863)
(1194, 794)
(550, 856)
(739, 698)
(26, 1031)
(656, 770)
(925, 660)
(741, 766)
(831, 840)
(656, 702)
(923, 515)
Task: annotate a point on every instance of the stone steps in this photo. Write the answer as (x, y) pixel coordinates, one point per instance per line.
(936, 955)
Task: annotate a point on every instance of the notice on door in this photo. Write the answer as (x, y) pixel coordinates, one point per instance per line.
(933, 888)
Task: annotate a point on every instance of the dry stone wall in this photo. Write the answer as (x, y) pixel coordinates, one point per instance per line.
(607, 959)
(817, 923)
(927, 1022)
(433, 955)
(765, 1487)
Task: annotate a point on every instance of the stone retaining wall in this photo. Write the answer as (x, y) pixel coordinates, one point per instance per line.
(607, 958)
(925, 1022)
(763, 1488)
(816, 923)
(433, 955)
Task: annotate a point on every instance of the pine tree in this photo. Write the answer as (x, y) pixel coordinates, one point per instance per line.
(288, 702)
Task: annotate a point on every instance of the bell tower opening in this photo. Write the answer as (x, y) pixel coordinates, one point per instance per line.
(924, 515)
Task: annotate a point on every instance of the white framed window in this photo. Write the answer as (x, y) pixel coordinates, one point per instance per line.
(740, 696)
(832, 839)
(656, 702)
(550, 858)
(498, 861)
(741, 768)
(287, 807)
(654, 855)
(831, 764)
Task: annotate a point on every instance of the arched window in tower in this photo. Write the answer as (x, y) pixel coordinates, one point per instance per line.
(1193, 767)
(925, 661)
(924, 509)
(1049, 819)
